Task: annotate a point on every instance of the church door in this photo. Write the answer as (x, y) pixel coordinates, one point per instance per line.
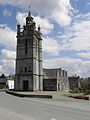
(25, 85)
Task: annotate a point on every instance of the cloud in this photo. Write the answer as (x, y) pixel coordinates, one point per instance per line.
(21, 18)
(7, 55)
(36, 5)
(84, 54)
(61, 18)
(51, 47)
(7, 61)
(1, 70)
(77, 37)
(60, 11)
(8, 66)
(83, 16)
(88, 4)
(73, 66)
(7, 37)
(7, 12)
(46, 26)
(62, 15)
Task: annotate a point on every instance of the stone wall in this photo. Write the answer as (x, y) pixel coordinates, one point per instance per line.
(50, 84)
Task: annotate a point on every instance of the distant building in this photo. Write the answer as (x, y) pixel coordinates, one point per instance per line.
(3, 80)
(55, 79)
(74, 82)
(10, 81)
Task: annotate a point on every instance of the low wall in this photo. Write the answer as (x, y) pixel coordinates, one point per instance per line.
(29, 96)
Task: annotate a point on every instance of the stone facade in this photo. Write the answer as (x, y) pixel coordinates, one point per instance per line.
(55, 79)
(29, 75)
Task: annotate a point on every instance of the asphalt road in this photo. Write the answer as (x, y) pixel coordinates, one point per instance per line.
(15, 108)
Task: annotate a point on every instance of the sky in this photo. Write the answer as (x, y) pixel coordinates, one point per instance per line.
(65, 26)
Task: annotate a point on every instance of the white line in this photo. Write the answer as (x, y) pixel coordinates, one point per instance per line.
(53, 119)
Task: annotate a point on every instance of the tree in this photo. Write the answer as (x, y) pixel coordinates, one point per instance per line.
(84, 84)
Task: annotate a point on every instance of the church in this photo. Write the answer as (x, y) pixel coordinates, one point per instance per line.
(30, 75)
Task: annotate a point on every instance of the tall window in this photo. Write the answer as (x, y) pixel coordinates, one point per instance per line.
(25, 46)
(25, 69)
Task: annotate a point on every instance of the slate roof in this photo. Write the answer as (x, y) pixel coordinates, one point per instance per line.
(50, 73)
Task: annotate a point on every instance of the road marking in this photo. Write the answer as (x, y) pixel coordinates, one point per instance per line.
(53, 119)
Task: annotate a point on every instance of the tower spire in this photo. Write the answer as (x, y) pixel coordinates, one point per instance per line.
(29, 13)
(29, 18)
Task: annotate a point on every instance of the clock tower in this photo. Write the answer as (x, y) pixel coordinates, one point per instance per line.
(29, 75)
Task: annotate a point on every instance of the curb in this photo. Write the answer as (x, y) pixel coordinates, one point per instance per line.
(2, 90)
(28, 96)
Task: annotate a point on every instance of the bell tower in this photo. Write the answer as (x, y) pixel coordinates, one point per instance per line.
(29, 75)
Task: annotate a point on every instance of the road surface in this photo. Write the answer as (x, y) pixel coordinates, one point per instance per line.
(15, 108)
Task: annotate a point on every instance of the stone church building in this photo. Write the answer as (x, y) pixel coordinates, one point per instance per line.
(30, 76)
(55, 80)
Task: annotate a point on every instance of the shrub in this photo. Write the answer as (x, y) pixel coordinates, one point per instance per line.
(87, 92)
(3, 86)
